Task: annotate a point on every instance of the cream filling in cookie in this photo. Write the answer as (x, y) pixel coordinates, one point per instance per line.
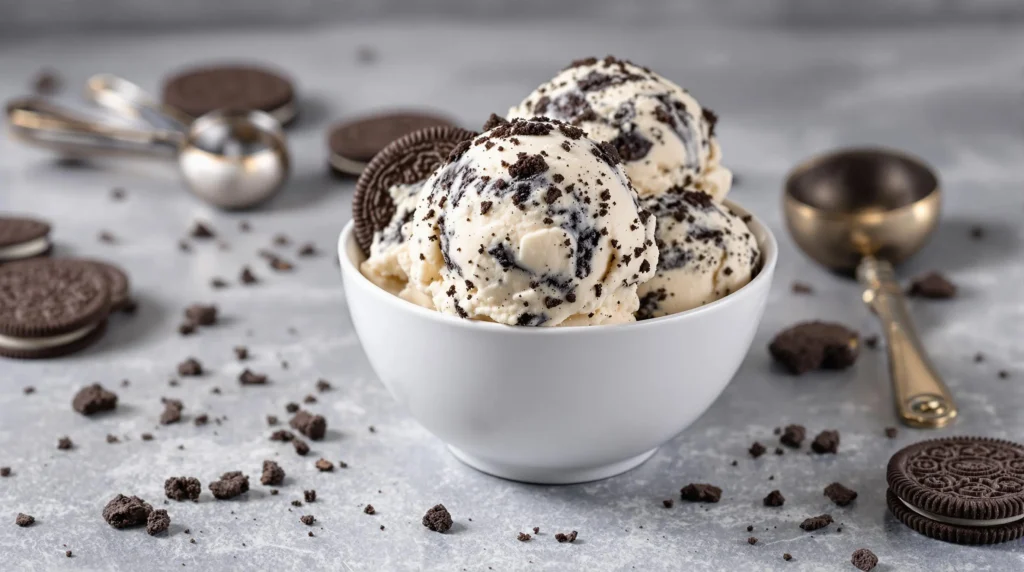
(961, 521)
(25, 249)
(46, 342)
(347, 165)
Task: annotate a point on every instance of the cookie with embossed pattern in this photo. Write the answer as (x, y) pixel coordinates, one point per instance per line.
(199, 91)
(51, 307)
(23, 237)
(409, 160)
(120, 286)
(964, 490)
(355, 142)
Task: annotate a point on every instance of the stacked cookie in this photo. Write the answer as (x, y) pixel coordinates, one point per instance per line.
(964, 490)
(52, 307)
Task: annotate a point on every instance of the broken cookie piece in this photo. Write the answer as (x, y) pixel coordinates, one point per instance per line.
(815, 345)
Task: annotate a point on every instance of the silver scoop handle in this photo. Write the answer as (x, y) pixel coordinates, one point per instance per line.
(39, 122)
(922, 399)
(131, 101)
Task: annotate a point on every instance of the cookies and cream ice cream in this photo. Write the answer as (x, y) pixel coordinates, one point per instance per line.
(532, 224)
(705, 253)
(665, 138)
(388, 263)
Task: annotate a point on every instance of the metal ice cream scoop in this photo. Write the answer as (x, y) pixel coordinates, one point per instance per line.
(866, 210)
(232, 159)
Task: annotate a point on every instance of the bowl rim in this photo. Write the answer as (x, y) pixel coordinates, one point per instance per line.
(769, 254)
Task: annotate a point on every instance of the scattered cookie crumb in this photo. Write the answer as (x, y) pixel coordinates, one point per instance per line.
(157, 522)
(368, 509)
(891, 432)
(701, 492)
(932, 285)
(561, 537)
(863, 559)
(438, 519)
(668, 503)
(802, 288)
(308, 519)
(793, 436)
(816, 522)
(309, 495)
(273, 474)
(756, 450)
(230, 485)
(65, 444)
(24, 520)
(752, 540)
(324, 465)
(826, 442)
(182, 488)
(523, 537)
(774, 498)
(840, 494)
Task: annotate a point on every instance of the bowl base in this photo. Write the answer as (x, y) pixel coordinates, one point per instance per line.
(550, 475)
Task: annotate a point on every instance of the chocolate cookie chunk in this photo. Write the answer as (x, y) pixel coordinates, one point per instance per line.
(94, 399)
(122, 511)
(51, 307)
(312, 426)
(438, 519)
(964, 490)
(235, 87)
(697, 492)
(932, 285)
(24, 520)
(815, 345)
(864, 560)
(273, 474)
(158, 521)
(230, 485)
(182, 488)
(774, 498)
(22, 237)
(409, 159)
(354, 142)
(840, 494)
(816, 522)
(793, 436)
(826, 442)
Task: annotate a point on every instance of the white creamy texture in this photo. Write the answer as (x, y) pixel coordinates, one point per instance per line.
(535, 225)
(25, 249)
(665, 137)
(705, 253)
(16, 343)
(389, 252)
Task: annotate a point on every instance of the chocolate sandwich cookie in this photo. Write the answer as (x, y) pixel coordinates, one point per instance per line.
(964, 490)
(236, 87)
(120, 286)
(353, 143)
(411, 159)
(51, 307)
(22, 237)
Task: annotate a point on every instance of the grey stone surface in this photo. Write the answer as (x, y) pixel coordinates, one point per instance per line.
(950, 95)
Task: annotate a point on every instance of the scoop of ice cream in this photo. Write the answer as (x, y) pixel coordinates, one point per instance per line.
(705, 253)
(665, 138)
(532, 224)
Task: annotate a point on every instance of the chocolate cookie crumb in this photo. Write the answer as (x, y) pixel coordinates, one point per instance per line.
(309, 495)
(802, 288)
(571, 537)
(312, 426)
(93, 399)
(274, 492)
(273, 474)
(523, 537)
(308, 249)
(282, 435)
(5, 471)
(29, 390)
(187, 328)
(774, 498)
(536, 530)
(157, 522)
(190, 367)
(202, 314)
(248, 377)
(324, 465)
(932, 285)
(247, 277)
(68, 554)
(46, 82)
(891, 432)
(308, 519)
(272, 420)
(172, 411)
(863, 559)
(122, 511)
(368, 509)
(201, 230)
(871, 342)
(779, 451)
(182, 488)
(64, 443)
(793, 436)
(230, 485)
(787, 556)
(309, 399)
(752, 540)
(840, 494)
(282, 240)
(203, 419)
(701, 492)
(291, 407)
(826, 442)
(816, 522)
(323, 385)
(668, 503)
(756, 450)
(24, 520)
(147, 436)
(107, 237)
(438, 519)
(241, 353)
(111, 439)
(296, 503)
(977, 232)
(750, 528)
(301, 447)
(815, 345)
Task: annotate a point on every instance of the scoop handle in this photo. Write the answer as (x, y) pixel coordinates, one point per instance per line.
(922, 398)
(131, 101)
(39, 122)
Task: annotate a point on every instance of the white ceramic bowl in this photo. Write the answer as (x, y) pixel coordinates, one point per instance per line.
(555, 405)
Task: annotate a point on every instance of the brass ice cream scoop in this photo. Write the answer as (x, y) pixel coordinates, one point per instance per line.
(865, 210)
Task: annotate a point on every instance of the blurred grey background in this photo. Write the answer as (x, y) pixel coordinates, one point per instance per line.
(20, 17)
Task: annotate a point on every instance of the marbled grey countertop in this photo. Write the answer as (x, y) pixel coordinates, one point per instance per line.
(951, 95)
